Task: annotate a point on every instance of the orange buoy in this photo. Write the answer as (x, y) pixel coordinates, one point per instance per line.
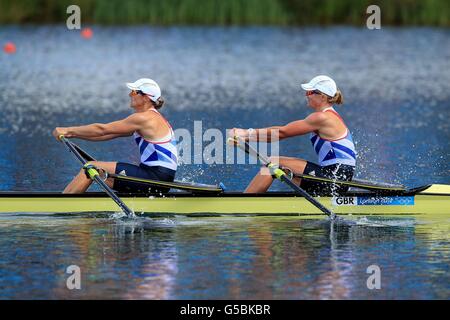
(87, 33)
(9, 48)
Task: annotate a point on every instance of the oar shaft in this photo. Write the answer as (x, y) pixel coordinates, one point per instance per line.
(73, 150)
(94, 175)
(83, 153)
(308, 197)
(353, 183)
(281, 175)
(111, 193)
(165, 184)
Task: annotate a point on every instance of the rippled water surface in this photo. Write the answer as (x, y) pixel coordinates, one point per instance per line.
(223, 258)
(397, 101)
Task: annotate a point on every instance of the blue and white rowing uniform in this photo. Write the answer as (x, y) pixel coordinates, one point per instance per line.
(158, 161)
(340, 150)
(336, 160)
(161, 153)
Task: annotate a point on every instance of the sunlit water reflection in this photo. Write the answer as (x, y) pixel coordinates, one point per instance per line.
(223, 258)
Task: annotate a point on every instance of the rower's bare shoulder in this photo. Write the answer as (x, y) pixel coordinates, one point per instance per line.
(317, 117)
(141, 117)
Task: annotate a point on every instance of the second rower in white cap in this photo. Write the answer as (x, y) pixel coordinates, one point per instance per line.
(329, 136)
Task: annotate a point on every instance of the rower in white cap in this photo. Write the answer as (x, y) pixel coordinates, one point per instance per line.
(152, 133)
(329, 136)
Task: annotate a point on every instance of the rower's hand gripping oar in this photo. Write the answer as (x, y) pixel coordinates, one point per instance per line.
(93, 173)
(280, 174)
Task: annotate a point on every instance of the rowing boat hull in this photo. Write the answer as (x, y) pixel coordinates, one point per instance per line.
(434, 200)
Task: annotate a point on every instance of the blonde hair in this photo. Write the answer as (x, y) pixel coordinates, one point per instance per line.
(337, 99)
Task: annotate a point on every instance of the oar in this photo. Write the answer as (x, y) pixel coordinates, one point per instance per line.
(83, 153)
(188, 186)
(94, 175)
(281, 175)
(357, 183)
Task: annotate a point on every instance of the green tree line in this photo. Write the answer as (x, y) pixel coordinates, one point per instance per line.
(228, 12)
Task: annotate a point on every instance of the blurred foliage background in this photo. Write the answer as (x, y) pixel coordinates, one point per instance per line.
(228, 12)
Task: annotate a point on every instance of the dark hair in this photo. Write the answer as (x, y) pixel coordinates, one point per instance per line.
(159, 103)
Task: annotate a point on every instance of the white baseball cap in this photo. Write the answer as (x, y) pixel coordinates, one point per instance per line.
(147, 86)
(323, 84)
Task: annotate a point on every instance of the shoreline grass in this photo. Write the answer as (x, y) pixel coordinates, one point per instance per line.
(228, 12)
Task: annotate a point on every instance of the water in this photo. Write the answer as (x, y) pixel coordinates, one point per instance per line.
(397, 106)
(222, 258)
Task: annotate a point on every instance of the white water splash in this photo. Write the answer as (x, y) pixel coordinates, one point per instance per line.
(365, 221)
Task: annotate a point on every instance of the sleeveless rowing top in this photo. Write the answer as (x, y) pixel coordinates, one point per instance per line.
(341, 150)
(161, 153)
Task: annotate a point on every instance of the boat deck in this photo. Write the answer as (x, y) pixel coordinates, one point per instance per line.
(433, 199)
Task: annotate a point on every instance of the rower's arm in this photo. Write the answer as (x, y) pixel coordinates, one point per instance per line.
(300, 127)
(107, 131)
(106, 137)
(296, 128)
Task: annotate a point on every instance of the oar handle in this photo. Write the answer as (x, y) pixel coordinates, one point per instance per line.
(245, 146)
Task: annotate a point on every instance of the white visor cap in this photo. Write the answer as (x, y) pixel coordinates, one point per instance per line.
(322, 83)
(147, 86)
